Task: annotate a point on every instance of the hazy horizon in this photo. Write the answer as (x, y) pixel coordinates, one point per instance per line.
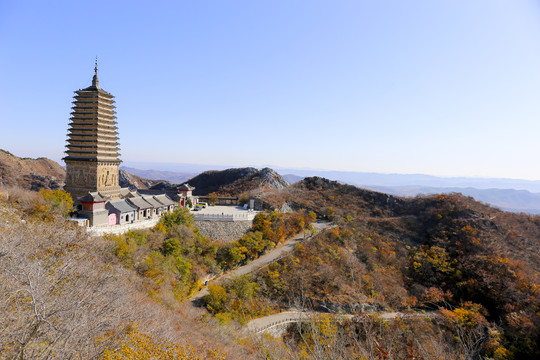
(170, 166)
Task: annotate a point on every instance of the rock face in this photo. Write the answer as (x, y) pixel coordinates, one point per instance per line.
(224, 231)
(272, 179)
(30, 174)
(236, 181)
(126, 180)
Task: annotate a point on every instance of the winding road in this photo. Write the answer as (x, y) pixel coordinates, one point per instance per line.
(277, 253)
(267, 323)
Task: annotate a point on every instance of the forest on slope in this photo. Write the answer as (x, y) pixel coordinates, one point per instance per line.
(66, 295)
(472, 268)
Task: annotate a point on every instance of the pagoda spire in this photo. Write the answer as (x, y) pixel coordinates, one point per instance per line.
(95, 80)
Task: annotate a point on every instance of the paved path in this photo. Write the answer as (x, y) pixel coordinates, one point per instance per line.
(267, 323)
(284, 317)
(277, 253)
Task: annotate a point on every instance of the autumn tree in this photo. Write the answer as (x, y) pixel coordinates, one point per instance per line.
(142, 346)
(57, 297)
(213, 198)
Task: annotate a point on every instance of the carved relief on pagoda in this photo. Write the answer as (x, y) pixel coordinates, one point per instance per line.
(80, 174)
(107, 176)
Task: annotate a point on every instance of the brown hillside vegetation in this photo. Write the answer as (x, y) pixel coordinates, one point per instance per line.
(476, 266)
(126, 180)
(466, 273)
(64, 294)
(30, 174)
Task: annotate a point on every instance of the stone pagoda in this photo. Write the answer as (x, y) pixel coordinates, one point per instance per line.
(92, 159)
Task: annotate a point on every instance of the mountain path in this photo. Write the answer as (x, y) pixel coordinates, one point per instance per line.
(286, 248)
(266, 323)
(271, 321)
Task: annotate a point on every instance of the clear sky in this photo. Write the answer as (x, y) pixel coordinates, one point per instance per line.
(447, 88)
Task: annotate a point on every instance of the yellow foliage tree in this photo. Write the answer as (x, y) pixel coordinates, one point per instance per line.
(141, 346)
(53, 203)
(58, 200)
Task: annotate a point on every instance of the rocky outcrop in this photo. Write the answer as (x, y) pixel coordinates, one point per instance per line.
(214, 180)
(232, 182)
(126, 180)
(30, 174)
(272, 179)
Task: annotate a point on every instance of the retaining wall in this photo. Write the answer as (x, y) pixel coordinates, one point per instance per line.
(124, 228)
(224, 217)
(224, 230)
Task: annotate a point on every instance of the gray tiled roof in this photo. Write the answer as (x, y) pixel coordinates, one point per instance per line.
(186, 186)
(156, 204)
(93, 197)
(164, 199)
(127, 193)
(120, 205)
(139, 202)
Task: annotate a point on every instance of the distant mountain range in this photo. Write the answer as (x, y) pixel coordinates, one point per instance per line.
(419, 180)
(172, 176)
(504, 199)
(350, 177)
(507, 194)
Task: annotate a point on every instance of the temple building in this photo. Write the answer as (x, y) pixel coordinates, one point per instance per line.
(92, 160)
(92, 167)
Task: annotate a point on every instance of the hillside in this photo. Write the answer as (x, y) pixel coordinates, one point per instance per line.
(66, 294)
(30, 174)
(416, 220)
(468, 272)
(236, 181)
(447, 253)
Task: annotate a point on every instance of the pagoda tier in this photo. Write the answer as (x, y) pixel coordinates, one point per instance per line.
(93, 152)
(93, 131)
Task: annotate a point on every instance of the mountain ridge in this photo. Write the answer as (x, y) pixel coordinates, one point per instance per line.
(35, 174)
(368, 178)
(505, 198)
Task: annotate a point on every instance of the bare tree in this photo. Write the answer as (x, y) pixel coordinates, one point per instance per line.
(58, 299)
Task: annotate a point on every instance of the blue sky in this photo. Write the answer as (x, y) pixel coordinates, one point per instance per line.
(448, 88)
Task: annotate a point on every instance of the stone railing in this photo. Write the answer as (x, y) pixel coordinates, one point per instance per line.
(301, 317)
(224, 217)
(123, 228)
(306, 317)
(276, 323)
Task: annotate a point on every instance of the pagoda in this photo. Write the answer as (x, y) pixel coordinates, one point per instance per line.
(93, 158)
